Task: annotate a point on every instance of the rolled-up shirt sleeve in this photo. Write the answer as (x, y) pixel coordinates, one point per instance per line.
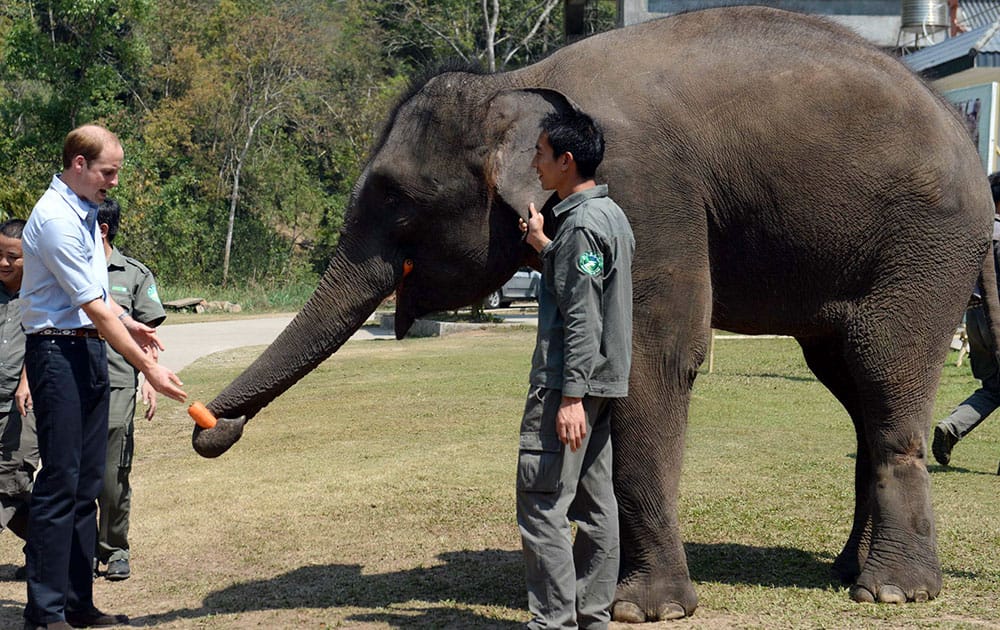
(67, 257)
(579, 283)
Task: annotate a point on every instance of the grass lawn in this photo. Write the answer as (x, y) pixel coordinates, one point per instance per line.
(378, 493)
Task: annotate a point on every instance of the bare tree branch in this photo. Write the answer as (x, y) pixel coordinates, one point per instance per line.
(547, 9)
(490, 24)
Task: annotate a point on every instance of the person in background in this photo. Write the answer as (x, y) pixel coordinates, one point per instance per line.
(982, 355)
(134, 289)
(67, 316)
(580, 367)
(18, 444)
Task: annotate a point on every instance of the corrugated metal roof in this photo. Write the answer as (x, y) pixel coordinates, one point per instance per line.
(976, 13)
(985, 39)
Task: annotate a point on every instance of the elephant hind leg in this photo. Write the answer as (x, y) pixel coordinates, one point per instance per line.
(887, 388)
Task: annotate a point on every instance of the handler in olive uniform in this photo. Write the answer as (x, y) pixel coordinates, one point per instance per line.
(581, 364)
(18, 443)
(133, 287)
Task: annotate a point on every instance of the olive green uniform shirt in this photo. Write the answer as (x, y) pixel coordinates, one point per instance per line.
(584, 343)
(134, 289)
(11, 347)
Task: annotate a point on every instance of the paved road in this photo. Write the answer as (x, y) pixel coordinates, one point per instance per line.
(186, 343)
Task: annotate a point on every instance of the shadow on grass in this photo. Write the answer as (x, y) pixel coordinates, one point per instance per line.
(439, 595)
(949, 469)
(729, 563)
(783, 377)
(489, 578)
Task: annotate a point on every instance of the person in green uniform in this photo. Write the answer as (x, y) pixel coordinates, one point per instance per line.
(580, 366)
(18, 442)
(133, 287)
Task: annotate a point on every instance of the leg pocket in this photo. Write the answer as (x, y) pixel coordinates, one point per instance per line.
(539, 471)
(540, 457)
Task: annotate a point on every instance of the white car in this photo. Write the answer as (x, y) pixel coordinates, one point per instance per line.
(523, 285)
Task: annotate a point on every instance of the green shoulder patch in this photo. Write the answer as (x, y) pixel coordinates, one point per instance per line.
(590, 263)
(153, 295)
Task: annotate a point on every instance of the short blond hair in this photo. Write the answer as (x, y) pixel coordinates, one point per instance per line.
(88, 141)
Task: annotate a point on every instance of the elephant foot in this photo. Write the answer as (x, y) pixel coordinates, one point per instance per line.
(917, 579)
(628, 612)
(888, 594)
(643, 599)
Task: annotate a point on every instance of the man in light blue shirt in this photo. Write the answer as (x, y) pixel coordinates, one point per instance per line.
(67, 317)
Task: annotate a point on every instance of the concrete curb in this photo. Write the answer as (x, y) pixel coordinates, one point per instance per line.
(432, 328)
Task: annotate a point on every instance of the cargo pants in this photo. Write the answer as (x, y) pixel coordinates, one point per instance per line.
(571, 582)
(115, 501)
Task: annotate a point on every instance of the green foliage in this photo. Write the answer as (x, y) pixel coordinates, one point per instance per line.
(265, 107)
(273, 295)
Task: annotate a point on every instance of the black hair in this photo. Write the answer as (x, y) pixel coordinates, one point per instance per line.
(995, 186)
(577, 133)
(109, 212)
(12, 228)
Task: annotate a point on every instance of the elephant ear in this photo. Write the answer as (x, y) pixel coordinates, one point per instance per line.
(513, 122)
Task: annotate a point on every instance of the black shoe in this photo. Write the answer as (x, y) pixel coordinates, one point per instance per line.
(94, 618)
(21, 573)
(944, 441)
(118, 570)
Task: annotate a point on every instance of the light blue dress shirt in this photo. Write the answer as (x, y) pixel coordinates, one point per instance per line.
(64, 263)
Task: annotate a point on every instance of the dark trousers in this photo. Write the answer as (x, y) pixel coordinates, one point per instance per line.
(68, 377)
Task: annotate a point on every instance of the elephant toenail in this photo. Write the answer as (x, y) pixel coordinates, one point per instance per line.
(862, 594)
(627, 612)
(921, 596)
(671, 610)
(891, 595)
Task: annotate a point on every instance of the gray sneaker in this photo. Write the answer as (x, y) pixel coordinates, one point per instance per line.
(944, 441)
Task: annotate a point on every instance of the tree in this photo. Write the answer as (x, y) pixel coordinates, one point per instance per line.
(64, 63)
(494, 34)
(239, 103)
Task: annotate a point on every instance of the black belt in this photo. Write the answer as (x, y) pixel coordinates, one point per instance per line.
(90, 333)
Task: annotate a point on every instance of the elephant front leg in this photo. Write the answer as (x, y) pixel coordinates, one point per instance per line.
(654, 583)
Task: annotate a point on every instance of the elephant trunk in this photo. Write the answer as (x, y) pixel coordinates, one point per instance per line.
(347, 294)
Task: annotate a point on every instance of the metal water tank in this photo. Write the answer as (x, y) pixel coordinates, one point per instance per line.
(924, 15)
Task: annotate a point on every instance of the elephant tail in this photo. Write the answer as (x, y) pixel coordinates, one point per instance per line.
(991, 299)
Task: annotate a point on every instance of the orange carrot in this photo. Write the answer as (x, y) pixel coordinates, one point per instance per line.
(202, 416)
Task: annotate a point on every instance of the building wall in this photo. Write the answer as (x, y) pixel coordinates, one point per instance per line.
(876, 20)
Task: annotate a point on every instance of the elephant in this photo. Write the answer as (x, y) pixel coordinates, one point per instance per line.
(781, 175)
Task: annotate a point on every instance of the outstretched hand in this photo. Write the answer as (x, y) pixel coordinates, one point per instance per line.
(145, 336)
(534, 229)
(164, 381)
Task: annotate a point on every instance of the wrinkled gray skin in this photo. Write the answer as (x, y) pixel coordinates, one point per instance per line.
(780, 177)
